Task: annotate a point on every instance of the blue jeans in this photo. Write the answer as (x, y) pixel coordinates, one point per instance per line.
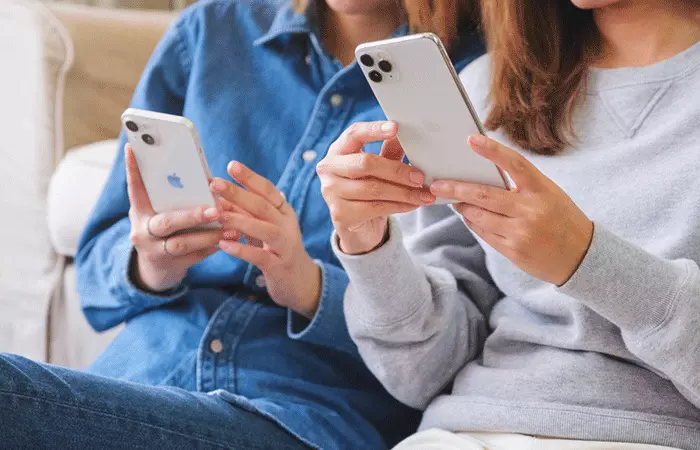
(45, 406)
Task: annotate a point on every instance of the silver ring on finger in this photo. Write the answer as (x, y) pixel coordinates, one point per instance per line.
(165, 248)
(284, 200)
(148, 227)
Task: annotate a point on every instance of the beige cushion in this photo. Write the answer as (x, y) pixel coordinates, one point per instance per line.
(75, 187)
(111, 50)
(35, 52)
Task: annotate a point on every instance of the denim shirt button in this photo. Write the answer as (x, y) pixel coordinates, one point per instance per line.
(308, 155)
(216, 346)
(260, 281)
(336, 100)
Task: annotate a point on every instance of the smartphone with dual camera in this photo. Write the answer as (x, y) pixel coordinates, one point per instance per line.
(417, 87)
(171, 160)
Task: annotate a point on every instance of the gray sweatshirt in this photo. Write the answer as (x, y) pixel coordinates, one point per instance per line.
(451, 326)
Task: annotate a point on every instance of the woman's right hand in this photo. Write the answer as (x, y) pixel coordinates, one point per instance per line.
(362, 189)
(162, 257)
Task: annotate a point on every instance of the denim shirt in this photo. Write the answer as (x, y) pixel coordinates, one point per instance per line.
(254, 79)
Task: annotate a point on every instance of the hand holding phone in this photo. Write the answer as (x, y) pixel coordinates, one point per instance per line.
(362, 189)
(164, 248)
(174, 219)
(417, 87)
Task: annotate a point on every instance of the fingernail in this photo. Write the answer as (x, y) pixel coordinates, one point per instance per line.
(427, 197)
(234, 167)
(478, 139)
(387, 127)
(211, 213)
(416, 177)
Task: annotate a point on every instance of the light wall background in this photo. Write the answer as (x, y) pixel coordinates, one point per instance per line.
(133, 4)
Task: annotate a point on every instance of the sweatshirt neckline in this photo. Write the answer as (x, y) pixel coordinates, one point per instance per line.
(674, 67)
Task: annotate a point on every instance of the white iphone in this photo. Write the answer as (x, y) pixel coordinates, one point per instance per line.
(171, 160)
(418, 88)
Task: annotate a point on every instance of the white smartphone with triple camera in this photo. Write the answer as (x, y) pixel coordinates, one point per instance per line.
(417, 87)
(171, 160)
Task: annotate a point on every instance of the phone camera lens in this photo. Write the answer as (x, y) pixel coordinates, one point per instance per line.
(132, 126)
(367, 60)
(375, 76)
(385, 66)
(148, 139)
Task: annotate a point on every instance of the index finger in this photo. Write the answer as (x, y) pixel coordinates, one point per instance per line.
(363, 165)
(359, 134)
(136, 189)
(491, 198)
(255, 183)
(522, 171)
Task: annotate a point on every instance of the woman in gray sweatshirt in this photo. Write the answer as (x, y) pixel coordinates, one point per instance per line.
(568, 307)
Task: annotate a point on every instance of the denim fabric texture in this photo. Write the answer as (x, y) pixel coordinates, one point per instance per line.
(257, 83)
(50, 407)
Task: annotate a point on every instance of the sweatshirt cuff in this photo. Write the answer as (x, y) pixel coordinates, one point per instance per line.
(370, 275)
(328, 327)
(624, 283)
(139, 297)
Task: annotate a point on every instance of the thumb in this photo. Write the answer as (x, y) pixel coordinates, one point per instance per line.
(359, 134)
(138, 196)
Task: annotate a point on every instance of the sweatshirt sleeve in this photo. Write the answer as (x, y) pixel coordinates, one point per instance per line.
(104, 251)
(654, 301)
(416, 306)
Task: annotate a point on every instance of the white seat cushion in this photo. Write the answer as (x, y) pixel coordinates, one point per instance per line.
(75, 187)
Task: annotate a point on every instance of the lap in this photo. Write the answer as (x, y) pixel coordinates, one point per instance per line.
(45, 406)
(436, 439)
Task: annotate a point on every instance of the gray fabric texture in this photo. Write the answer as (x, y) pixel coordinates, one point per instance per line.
(450, 325)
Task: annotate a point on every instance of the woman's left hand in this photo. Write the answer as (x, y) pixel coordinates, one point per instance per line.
(536, 225)
(261, 212)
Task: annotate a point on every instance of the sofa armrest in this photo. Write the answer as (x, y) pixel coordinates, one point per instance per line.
(52, 53)
(37, 52)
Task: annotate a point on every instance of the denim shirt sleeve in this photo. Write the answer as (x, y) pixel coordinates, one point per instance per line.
(327, 328)
(104, 252)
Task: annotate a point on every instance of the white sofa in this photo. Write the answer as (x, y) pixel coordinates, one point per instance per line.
(66, 74)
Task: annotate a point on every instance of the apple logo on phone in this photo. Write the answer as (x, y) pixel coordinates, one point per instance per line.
(175, 181)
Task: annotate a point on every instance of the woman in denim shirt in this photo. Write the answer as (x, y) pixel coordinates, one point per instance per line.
(228, 343)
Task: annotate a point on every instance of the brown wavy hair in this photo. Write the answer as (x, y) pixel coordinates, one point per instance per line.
(540, 52)
(445, 18)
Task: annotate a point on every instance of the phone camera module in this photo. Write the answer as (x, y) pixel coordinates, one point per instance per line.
(148, 139)
(132, 126)
(375, 76)
(385, 66)
(367, 60)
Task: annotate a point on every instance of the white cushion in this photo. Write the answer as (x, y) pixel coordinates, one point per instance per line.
(75, 187)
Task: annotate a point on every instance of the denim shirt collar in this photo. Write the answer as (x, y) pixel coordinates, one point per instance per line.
(287, 21)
